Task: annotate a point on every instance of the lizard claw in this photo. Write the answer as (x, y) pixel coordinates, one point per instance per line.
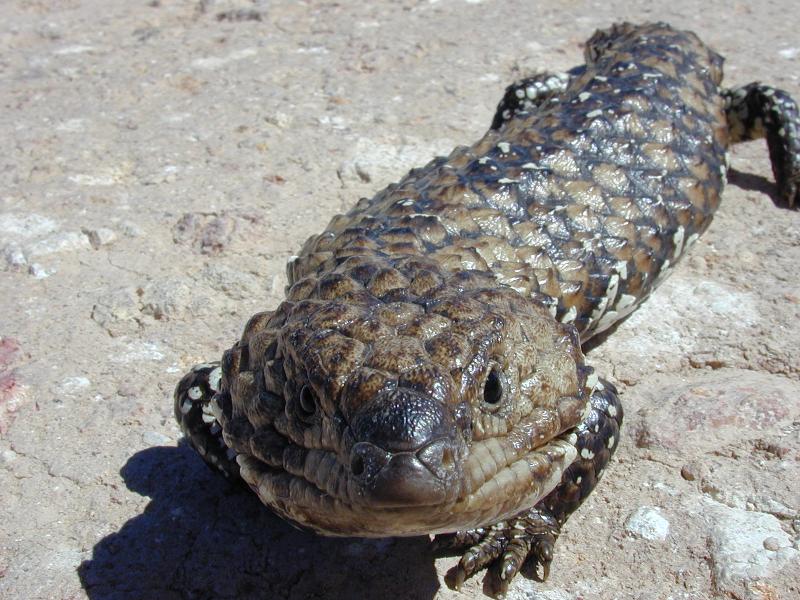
(503, 549)
(542, 552)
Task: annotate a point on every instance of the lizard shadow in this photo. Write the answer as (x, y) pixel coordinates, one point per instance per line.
(756, 183)
(201, 537)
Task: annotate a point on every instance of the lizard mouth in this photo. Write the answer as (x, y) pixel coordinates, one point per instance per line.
(490, 483)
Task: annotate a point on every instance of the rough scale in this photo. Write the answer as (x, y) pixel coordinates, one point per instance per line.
(424, 374)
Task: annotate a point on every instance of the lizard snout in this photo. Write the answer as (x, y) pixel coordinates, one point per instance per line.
(407, 450)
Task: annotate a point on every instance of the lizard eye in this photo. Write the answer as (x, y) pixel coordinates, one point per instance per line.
(493, 388)
(307, 404)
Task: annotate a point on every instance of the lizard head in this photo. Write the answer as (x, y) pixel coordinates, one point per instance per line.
(399, 400)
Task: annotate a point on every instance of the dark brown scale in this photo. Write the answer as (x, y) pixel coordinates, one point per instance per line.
(425, 373)
(627, 166)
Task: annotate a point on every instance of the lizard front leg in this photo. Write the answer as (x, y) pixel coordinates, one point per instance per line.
(525, 542)
(529, 94)
(193, 412)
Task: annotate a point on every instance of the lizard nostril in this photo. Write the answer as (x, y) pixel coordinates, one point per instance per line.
(448, 458)
(357, 465)
(366, 460)
(439, 458)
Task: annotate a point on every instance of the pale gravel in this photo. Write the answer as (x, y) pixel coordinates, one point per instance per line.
(162, 160)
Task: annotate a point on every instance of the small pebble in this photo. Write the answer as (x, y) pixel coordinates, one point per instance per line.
(772, 543)
(64, 241)
(38, 271)
(210, 235)
(74, 384)
(25, 226)
(136, 351)
(7, 457)
(279, 119)
(648, 523)
(100, 237)
(130, 229)
(128, 390)
(14, 256)
(154, 438)
(689, 472)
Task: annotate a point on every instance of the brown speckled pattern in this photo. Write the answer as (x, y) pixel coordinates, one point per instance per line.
(352, 348)
(584, 202)
(484, 270)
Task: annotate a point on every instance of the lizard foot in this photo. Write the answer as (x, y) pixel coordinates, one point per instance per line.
(523, 543)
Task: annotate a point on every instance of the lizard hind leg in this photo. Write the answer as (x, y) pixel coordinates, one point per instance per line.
(528, 95)
(757, 111)
(193, 412)
(525, 542)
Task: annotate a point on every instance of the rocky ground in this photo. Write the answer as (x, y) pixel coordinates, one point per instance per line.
(161, 161)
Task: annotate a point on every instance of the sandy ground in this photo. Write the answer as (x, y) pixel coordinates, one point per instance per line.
(162, 160)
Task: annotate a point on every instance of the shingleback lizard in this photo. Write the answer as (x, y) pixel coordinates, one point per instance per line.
(424, 374)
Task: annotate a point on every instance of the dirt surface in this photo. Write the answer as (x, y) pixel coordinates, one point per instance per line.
(161, 162)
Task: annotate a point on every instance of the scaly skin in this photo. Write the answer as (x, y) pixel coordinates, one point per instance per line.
(424, 374)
